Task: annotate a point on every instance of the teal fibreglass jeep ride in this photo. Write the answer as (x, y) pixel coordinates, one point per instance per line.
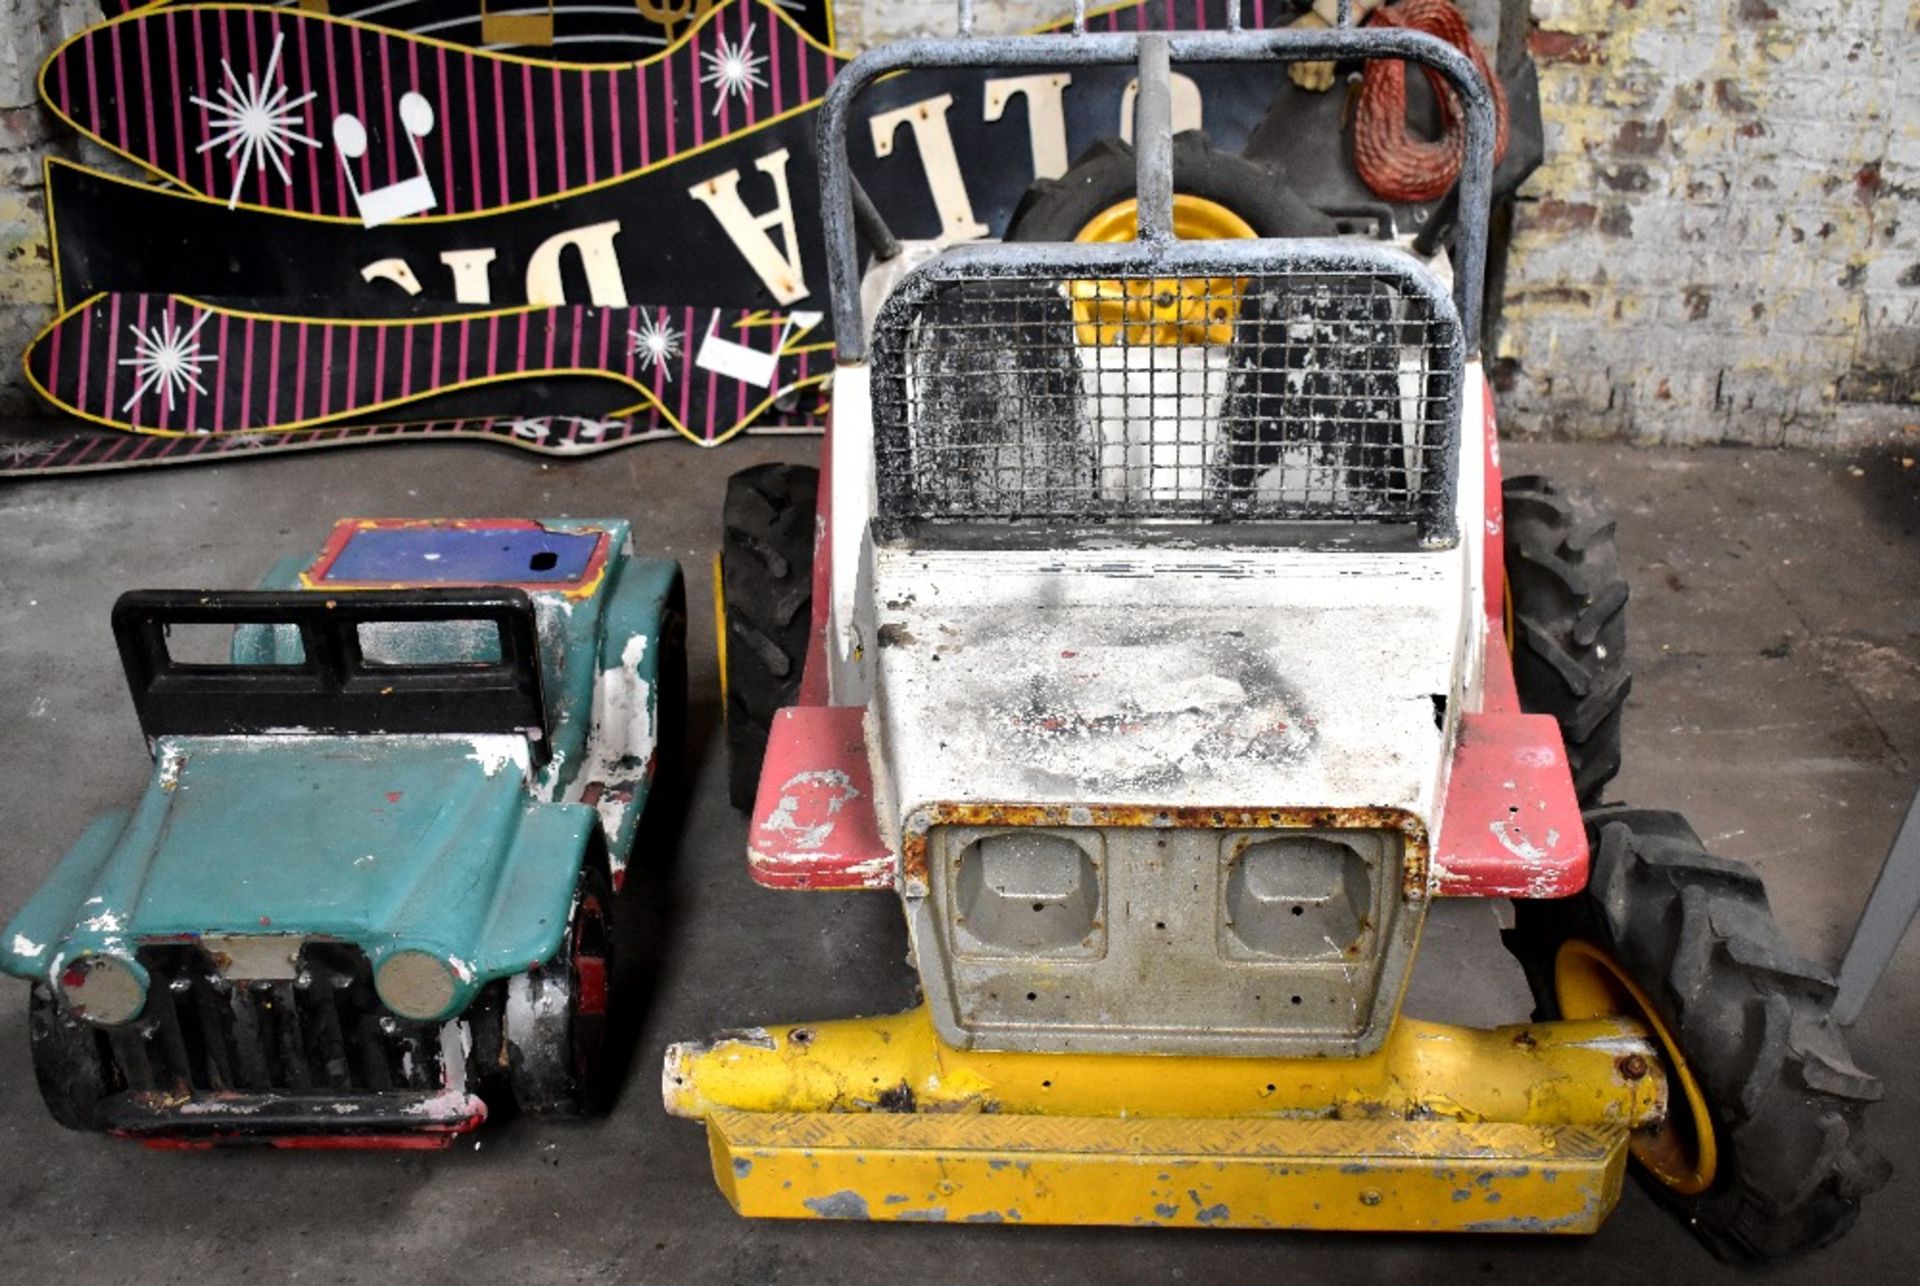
(369, 889)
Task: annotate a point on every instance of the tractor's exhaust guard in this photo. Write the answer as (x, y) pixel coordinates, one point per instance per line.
(1519, 1129)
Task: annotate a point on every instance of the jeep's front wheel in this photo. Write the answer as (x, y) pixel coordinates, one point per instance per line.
(765, 595)
(67, 1061)
(1764, 1152)
(556, 1013)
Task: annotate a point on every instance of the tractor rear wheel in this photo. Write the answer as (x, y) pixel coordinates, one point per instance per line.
(1224, 194)
(1567, 624)
(1764, 1153)
(766, 602)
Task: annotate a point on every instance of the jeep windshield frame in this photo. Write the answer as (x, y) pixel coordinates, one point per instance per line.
(332, 688)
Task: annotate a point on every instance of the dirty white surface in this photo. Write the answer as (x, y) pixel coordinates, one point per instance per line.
(1211, 678)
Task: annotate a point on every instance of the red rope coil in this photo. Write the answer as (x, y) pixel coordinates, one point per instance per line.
(1391, 161)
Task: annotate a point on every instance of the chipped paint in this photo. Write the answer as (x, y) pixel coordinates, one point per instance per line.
(496, 753)
(619, 759)
(817, 828)
(833, 789)
(25, 948)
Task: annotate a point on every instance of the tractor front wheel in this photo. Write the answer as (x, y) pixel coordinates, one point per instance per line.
(1764, 1152)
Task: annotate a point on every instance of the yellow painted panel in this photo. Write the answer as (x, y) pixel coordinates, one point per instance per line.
(1425, 1176)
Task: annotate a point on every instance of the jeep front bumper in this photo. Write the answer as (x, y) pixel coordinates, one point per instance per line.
(1519, 1129)
(393, 1119)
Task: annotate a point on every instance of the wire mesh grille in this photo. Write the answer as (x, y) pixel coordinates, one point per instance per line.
(1265, 396)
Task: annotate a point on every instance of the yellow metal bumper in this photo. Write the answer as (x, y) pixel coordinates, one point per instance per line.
(1444, 1129)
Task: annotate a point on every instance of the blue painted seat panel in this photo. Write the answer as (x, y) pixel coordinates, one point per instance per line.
(462, 556)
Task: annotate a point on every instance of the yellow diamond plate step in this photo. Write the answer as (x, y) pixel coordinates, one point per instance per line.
(1424, 1176)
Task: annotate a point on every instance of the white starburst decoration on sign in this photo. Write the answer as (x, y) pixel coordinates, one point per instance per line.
(733, 69)
(658, 342)
(257, 122)
(166, 358)
(17, 454)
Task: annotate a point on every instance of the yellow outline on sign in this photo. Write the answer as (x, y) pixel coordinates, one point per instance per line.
(354, 415)
(488, 211)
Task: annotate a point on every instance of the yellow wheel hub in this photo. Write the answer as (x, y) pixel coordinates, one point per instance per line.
(1189, 310)
(1682, 1153)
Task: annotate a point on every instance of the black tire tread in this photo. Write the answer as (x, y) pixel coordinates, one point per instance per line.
(1752, 1016)
(72, 1075)
(1569, 625)
(1056, 209)
(766, 573)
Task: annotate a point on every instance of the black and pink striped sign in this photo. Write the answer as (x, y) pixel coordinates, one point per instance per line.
(574, 31)
(165, 87)
(162, 364)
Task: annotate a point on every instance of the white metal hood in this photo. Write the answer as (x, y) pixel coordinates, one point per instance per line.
(1171, 676)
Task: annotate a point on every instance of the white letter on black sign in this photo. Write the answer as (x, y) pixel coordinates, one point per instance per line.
(605, 286)
(1046, 121)
(935, 141)
(721, 194)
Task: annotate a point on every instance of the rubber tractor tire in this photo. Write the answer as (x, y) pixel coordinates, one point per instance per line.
(766, 603)
(1568, 623)
(1764, 1153)
(1058, 209)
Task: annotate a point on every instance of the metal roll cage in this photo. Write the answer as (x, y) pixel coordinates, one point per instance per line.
(848, 215)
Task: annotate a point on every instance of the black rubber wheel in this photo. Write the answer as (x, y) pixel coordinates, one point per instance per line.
(67, 1061)
(1752, 1022)
(556, 1014)
(670, 702)
(766, 577)
(1569, 625)
(1057, 209)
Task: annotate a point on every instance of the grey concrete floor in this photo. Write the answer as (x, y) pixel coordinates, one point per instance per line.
(1777, 636)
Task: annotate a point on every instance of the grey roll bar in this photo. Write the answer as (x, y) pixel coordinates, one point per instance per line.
(1153, 54)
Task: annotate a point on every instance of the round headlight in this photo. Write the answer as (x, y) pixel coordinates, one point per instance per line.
(104, 989)
(414, 984)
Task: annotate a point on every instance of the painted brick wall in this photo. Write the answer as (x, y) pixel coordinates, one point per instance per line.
(29, 29)
(1724, 243)
(1723, 246)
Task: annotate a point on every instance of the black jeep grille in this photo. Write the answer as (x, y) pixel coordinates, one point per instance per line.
(323, 1033)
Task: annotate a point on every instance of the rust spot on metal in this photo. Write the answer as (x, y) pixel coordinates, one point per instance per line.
(1141, 816)
(1633, 1067)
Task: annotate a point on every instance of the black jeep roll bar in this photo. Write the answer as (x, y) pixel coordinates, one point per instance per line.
(333, 689)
